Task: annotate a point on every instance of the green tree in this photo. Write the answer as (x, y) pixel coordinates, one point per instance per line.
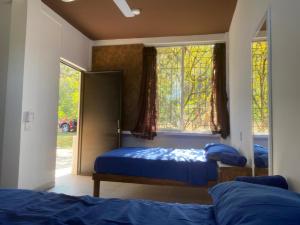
(184, 87)
(260, 87)
(68, 93)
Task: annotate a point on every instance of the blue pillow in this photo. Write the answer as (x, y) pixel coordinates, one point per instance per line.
(233, 159)
(274, 181)
(240, 203)
(214, 151)
(260, 150)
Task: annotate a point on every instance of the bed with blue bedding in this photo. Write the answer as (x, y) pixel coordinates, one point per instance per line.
(166, 166)
(234, 203)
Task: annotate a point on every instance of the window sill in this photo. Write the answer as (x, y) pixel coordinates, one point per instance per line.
(178, 133)
(262, 136)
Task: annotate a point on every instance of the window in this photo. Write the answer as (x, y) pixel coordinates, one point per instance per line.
(260, 87)
(184, 88)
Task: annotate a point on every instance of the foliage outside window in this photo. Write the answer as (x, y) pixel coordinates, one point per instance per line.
(68, 93)
(260, 87)
(184, 88)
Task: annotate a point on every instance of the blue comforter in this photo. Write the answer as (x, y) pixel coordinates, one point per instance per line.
(18, 207)
(185, 165)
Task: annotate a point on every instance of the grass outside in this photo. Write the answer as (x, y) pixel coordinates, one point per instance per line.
(65, 140)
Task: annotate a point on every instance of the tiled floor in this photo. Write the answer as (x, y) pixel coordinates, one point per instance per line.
(81, 185)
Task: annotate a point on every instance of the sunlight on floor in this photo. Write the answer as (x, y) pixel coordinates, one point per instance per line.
(63, 172)
(63, 162)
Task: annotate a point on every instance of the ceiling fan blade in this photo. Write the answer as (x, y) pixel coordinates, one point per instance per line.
(124, 7)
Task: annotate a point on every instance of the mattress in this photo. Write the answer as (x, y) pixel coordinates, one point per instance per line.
(185, 165)
(39, 208)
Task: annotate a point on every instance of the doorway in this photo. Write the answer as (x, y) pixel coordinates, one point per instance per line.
(68, 120)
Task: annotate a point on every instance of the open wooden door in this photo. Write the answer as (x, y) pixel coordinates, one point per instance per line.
(100, 117)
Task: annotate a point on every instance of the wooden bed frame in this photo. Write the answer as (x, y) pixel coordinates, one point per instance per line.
(225, 174)
(261, 171)
(97, 177)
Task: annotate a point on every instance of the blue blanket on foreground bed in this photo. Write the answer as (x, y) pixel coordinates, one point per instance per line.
(35, 208)
(185, 165)
(235, 203)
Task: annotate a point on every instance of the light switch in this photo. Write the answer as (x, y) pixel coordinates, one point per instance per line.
(28, 117)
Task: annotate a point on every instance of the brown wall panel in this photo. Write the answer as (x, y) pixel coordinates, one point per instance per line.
(129, 59)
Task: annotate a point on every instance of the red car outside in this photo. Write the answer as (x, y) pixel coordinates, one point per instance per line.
(68, 125)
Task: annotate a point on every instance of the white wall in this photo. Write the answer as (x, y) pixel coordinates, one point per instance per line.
(48, 38)
(75, 47)
(286, 81)
(245, 23)
(285, 47)
(40, 95)
(13, 103)
(5, 8)
(168, 140)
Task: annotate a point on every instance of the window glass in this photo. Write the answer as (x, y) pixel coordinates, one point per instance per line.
(184, 88)
(260, 87)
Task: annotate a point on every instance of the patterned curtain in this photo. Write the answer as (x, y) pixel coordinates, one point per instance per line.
(219, 111)
(146, 124)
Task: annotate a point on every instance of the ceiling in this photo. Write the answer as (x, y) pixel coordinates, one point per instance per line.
(102, 19)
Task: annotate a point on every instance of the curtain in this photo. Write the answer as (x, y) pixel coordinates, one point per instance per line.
(146, 124)
(219, 111)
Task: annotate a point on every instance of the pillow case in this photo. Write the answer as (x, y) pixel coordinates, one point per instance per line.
(214, 151)
(240, 203)
(260, 150)
(274, 181)
(233, 159)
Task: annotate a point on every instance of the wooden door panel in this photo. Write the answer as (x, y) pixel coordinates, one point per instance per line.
(101, 110)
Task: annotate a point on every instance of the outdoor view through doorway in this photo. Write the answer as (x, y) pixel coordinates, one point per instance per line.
(68, 111)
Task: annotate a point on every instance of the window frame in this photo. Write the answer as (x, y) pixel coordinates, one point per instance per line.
(181, 131)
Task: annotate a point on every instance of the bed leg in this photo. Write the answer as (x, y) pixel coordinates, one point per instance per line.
(96, 188)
